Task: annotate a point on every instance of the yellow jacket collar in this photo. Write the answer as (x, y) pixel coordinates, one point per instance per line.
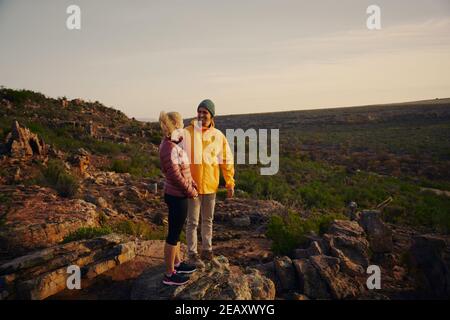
(194, 123)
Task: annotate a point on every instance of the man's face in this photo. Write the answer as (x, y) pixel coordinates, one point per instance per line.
(204, 116)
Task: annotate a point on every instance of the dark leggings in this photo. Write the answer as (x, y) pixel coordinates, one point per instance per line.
(178, 207)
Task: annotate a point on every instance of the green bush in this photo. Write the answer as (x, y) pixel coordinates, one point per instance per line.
(139, 229)
(318, 187)
(319, 195)
(156, 137)
(120, 166)
(139, 165)
(221, 194)
(58, 178)
(290, 232)
(21, 96)
(86, 233)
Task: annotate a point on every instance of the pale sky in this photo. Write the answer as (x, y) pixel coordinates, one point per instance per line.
(248, 56)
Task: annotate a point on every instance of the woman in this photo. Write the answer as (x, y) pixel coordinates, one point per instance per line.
(178, 187)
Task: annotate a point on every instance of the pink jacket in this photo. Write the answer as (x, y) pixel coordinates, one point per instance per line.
(176, 169)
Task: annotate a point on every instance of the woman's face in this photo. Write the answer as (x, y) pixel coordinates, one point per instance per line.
(204, 116)
(179, 125)
(178, 132)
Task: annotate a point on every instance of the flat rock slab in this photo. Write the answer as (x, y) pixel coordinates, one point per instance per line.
(42, 219)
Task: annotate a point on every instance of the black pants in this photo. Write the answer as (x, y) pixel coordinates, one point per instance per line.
(178, 208)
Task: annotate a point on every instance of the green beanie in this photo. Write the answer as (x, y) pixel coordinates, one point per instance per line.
(208, 105)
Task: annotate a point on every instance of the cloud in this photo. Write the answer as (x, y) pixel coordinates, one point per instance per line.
(433, 34)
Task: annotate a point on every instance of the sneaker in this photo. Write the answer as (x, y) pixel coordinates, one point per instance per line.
(207, 255)
(195, 260)
(185, 267)
(175, 279)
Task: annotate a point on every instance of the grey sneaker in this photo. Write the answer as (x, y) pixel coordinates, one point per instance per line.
(195, 260)
(185, 267)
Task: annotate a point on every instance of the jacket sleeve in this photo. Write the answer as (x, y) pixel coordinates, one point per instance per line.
(227, 164)
(173, 171)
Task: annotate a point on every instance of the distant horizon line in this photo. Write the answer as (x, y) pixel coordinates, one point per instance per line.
(146, 119)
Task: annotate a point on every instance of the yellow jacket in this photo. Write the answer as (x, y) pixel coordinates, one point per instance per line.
(208, 149)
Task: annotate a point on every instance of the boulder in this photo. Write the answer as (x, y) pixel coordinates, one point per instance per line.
(340, 285)
(258, 211)
(348, 238)
(218, 281)
(81, 160)
(22, 143)
(346, 265)
(301, 254)
(241, 222)
(261, 287)
(345, 228)
(428, 255)
(285, 272)
(379, 234)
(314, 249)
(310, 282)
(98, 201)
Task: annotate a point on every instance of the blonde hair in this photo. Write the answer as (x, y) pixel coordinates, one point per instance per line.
(169, 122)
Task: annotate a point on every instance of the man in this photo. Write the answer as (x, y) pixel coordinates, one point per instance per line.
(209, 151)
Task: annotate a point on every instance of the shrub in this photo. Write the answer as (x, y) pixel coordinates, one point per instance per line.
(120, 166)
(221, 194)
(63, 182)
(139, 165)
(290, 232)
(156, 137)
(21, 96)
(139, 229)
(86, 233)
(319, 195)
(285, 236)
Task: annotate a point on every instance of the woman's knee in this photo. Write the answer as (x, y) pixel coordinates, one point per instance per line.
(172, 240)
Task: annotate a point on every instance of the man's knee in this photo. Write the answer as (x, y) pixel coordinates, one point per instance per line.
(192, 223)
(207, 218)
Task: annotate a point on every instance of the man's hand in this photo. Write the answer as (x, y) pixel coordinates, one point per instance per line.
(230, 193)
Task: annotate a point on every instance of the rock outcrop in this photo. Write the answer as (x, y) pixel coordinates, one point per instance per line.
(219, 281)
(81, 160)
(44, 273)
(331, 267)
(243, 212)
(285, 273)
(22, 143)
(430, 259)
(43, 219)
(378, 233)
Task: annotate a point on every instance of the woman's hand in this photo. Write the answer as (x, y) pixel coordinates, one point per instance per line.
(193, 190)
(194, 194)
